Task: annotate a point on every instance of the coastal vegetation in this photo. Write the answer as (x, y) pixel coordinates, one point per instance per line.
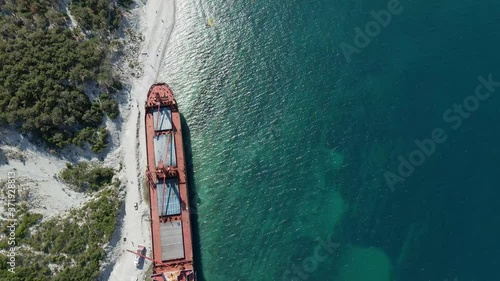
(56, 80)
(25, 221)
(85, 176)
(125, 3)
(63, 248)
(57, 87)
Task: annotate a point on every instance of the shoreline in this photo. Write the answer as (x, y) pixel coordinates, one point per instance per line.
(156, 22)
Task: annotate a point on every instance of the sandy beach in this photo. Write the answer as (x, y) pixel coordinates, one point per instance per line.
(156, 23)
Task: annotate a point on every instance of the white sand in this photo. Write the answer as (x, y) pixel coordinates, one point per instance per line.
(35, 176)
(157, 21)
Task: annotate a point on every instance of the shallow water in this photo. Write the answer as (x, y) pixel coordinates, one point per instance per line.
(290, 142)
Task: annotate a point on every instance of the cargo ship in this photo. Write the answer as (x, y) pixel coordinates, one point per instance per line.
(168, 190)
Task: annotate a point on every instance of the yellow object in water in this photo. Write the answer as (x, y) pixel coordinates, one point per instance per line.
(210, 22)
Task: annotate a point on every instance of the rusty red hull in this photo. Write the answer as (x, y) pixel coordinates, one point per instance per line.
(163, 122)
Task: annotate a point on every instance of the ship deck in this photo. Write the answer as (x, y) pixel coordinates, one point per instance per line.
(167, 183)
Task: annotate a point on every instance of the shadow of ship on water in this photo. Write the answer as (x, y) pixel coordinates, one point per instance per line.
(193, 198)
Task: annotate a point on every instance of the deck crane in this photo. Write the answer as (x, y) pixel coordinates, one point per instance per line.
(141, 255)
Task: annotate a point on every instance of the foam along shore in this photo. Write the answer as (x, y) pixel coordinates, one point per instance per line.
(156, 21)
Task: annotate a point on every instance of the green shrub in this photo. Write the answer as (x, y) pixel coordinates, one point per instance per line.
(125, 3)
(99, 141)
(108, 105)
(86, 176)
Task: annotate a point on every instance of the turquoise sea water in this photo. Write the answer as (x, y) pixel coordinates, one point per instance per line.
(291, 144)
